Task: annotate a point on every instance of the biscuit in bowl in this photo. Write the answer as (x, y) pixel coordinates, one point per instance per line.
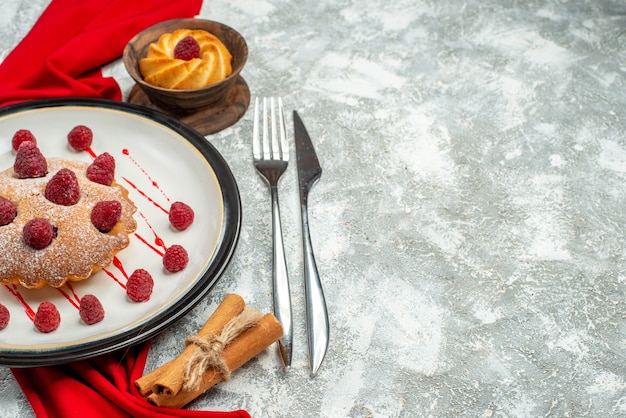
(186, 98)
(185, 60)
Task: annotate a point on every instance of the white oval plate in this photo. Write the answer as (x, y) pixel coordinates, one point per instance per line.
(159, 160)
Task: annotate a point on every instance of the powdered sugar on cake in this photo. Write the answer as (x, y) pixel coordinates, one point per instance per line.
(79, 248)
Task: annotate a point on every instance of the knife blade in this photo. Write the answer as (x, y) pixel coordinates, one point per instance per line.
(309, 171)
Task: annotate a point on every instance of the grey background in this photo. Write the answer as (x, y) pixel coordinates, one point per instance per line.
(469, 224)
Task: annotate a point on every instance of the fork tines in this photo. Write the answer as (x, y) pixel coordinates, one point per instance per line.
(276, 146)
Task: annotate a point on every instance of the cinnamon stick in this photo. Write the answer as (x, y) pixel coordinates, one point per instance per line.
(167, 379)
(246, 346)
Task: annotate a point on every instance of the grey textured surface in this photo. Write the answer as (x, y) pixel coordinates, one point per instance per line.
(469, 224)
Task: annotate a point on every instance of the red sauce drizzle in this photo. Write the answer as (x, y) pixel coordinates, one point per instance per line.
(72, 298)
(29, 311)
(141, 192)
(115, 279)
(157, 239)
(152, 247)
(118, 264)
(152, 181)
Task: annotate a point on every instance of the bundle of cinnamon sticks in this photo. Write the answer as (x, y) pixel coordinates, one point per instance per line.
(231, 337)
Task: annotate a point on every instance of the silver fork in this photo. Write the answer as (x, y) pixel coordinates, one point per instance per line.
(271, 157)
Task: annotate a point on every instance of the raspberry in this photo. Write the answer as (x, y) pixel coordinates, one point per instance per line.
(139, 285)
(63, 188)
(175, 258)
(8, 211)
(29, 161)
(5, 316)
(102, 169)
(80, 138)
(187, 49)
(91, 310)
(181, 216)
(47, 318)
(23, 135)
(105, 215)
(38, 233)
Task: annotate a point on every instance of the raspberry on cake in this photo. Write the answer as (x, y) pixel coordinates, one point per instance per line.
(63, 188)
(102, 169)
(106, 214)
(38, 233)
(8, 211)
(29, 161)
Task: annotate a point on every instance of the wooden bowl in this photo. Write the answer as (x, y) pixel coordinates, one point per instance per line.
(186, 101)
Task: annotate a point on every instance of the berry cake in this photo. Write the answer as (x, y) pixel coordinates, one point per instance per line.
(185, 60)
(48, 233)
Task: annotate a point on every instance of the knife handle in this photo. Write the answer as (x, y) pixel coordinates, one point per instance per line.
(280, 283)
(318, 329)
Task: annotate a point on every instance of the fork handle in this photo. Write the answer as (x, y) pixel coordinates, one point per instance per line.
(318, 329)
(280, 283)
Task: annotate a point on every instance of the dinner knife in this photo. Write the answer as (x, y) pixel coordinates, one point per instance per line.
(309, 171)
